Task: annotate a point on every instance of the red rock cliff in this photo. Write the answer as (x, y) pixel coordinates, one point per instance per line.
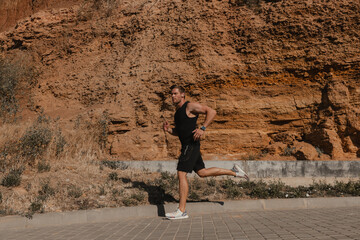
(283, 75)
(15, 10)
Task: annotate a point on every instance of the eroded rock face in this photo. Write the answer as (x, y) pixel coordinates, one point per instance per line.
(14, 10)
(278, 73)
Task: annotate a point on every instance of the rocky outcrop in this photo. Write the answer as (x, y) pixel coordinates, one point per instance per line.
(14, 10)
(278, 73)
(304, 151)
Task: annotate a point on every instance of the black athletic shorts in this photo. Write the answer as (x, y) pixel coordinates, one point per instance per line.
(190, 159)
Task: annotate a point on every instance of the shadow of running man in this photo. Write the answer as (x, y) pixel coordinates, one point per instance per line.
(158, 196)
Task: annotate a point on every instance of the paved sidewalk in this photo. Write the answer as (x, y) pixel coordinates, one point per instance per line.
(325, 223)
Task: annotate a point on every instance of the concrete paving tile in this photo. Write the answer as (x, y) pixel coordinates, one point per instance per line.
(289, 224)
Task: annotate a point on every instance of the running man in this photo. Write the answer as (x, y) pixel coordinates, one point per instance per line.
(190, 159)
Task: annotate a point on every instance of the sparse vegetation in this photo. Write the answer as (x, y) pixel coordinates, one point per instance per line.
(289, 151)
(42, 149)
(251, 156)
(319, 151)
(231, 188)
(74, 191)
(140, 196)
(36, 139)
(43, 166)
(168, 183)
(102, 191)
(46, 191)
(103, 130)
(12, 179)
(129, 202)
(114, 165)
(36, 206)
(113, 176)
(60, 143)
(138, 187)
(14, 73)
(194, 196)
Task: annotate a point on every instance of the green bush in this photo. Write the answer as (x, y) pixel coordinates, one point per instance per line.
(351, 188)
(12, 179)
(276, 189)
(260, 190)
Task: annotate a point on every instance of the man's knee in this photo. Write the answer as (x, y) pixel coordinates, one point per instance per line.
(181, 174)
(202, 173)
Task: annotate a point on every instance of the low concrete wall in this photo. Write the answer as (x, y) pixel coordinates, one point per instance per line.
(263, 169)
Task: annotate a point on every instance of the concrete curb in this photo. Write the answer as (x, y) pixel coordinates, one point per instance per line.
(123, 213)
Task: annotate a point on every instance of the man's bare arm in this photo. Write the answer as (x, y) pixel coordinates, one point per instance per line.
(196, 109)
(167, 128)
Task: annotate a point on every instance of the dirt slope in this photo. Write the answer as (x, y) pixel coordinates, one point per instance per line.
(283, 75)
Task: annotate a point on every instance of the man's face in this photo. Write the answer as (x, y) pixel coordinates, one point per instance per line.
(176, 96)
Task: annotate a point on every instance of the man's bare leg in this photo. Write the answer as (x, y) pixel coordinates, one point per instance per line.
(183, 190)
(215, 171)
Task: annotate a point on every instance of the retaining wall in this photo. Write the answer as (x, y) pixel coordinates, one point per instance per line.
(262, 169)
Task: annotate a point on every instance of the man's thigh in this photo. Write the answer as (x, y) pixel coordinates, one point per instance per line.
(189, 157)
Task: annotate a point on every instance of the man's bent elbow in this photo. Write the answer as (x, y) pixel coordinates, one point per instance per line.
(213, 112)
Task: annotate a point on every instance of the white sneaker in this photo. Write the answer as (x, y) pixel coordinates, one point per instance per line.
(177, 215)
(239, 172)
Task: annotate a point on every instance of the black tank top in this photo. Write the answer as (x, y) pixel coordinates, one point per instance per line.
(184, 126)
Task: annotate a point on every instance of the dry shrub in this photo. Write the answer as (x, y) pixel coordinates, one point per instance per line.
(15, 73)
(12, 179)
(36, 139)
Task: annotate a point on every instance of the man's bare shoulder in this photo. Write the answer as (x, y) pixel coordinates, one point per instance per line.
(196, 108)
(193, 105)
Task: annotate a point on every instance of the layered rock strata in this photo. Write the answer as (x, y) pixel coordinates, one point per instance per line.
(283, 76)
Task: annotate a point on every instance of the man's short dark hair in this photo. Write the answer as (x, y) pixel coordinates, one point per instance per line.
(181, 89)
